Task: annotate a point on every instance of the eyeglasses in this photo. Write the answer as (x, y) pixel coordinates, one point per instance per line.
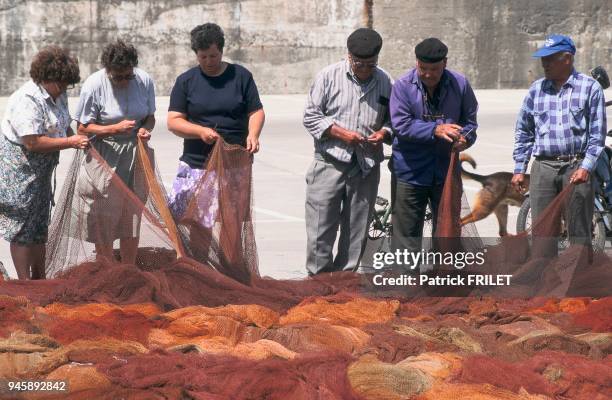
(124, 77)
(361, 64)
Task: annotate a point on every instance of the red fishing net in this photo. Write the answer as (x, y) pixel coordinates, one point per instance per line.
(192, 318)
(99, 207)
(529, 259)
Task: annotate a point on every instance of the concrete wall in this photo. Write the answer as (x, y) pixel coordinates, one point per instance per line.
(492, 41)
(284, 43)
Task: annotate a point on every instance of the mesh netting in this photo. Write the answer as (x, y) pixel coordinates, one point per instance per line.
(453, 207)
(192, 319)
(211, 245)
(534, 259)
(219, 217)
(98, 208)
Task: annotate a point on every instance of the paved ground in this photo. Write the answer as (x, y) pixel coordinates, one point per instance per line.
(286, 153)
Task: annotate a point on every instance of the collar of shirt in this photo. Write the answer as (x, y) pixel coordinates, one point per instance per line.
(432, 104)
(444, 81)
(42, 92)
(351, 75)
(549, 85)
(37, 89)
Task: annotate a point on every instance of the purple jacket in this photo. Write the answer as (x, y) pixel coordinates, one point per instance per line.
(419, 158)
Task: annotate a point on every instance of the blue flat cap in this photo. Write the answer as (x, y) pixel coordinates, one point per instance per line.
(554, 44)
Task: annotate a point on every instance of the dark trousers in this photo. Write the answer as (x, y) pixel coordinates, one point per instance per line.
(410, 204)
(549, 178)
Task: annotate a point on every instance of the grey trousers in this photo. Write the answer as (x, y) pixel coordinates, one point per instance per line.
(337, 197)
(548, 178)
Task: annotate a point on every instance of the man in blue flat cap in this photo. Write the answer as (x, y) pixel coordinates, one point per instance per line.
(562, 123)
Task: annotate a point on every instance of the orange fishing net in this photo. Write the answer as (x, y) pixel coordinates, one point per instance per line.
(192, 318)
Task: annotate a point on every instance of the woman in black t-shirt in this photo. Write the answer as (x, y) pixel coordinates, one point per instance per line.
(211, 100)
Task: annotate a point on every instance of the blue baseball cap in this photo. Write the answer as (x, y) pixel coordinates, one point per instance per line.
(554, 44)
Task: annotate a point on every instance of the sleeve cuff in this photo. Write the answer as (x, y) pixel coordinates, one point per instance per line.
(86, 119)
(321, 127)
(433, 130)
(588, 163)
(471, 137)
(255, 108)
(177, 109)
(520, 167)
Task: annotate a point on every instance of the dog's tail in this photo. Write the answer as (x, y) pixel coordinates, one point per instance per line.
(470, 175)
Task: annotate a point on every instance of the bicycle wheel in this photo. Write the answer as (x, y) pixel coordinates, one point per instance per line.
(428, 222)
(523, 220)
(376, 228)
(598, 241)
(599, 232)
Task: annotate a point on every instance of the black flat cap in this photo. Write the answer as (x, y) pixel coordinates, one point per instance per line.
(431, 50)
(364, 43)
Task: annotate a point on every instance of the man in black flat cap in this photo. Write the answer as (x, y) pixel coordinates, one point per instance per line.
(433, 111)
(347, 116)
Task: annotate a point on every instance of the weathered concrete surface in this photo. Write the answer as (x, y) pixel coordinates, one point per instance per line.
(491, 41)
(285, 42)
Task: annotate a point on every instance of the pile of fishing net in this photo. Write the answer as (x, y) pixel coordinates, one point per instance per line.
(192, 319)
(342, 346)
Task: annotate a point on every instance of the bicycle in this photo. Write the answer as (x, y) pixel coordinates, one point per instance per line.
(380, 225)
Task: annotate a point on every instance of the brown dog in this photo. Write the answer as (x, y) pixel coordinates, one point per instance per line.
(496, 195)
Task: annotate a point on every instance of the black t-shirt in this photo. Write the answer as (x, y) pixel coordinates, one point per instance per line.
(221, 102)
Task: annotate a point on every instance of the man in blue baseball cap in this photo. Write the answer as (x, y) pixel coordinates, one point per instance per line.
(554, 44)
(562, 123)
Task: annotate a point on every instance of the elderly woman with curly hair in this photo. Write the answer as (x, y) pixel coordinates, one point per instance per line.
(35, 128)
(117, 105)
